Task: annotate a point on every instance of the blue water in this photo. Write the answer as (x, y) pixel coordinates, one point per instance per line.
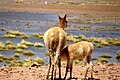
(39, 23)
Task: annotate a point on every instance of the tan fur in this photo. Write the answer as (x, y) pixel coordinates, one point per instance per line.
(53, 36)
(55, 39)
(77, 51)
(81, 50)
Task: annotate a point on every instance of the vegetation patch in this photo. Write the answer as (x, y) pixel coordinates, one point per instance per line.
(103, 28)
(22, 46)
(14, 34)
(38, 35)
(23, 35)
(36, 62)
(14, 63)
(103, 60)
(1, 58)
(28, 53)
(47, 54)
(87, 28)
(18, 50)
(2, 29)
(72, 38)
(17, 33)
(7, 45)
(16, 57)
(107, 28)
(118, 55)
(9, 36)
(38, 44)
(94, 59)
(104, 55)
(98, 42)
(27, 43)
(39, 60)
(116, 42)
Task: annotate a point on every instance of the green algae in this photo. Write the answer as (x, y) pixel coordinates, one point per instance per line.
(18, 50)
(104, 55)
(28, 53)
(38, 35)
(38, 44)
(118, 55)
(28, 43)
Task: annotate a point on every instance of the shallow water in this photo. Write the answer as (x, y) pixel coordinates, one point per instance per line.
(31, 23)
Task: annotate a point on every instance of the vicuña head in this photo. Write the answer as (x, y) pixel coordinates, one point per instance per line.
(55, 39)
(62, 22)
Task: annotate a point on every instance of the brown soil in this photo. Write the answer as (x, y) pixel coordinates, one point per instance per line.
(68, 9)
(109, 71)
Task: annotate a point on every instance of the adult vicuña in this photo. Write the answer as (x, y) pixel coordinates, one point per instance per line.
(81, 50)
(55, 39)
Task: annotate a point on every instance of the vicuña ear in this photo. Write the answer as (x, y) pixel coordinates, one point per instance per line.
(65, 16)
(59, 17)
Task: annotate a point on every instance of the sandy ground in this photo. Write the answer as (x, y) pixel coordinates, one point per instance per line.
(109, 71)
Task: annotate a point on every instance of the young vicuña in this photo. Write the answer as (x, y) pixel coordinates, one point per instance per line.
(81, 50)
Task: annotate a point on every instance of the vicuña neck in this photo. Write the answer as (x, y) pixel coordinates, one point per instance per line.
(61, 27)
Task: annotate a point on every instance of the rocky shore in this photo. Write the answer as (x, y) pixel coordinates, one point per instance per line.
(109, 71)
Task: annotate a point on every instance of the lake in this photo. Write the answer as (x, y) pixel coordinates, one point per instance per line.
(32, 23)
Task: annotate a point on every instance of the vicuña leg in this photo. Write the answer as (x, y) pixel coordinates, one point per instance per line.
(91, 70)
(49, 68)
(55, 71)
(87, 64)
(71, 64)
(59, 65)
(66, 70)
(53, 65)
